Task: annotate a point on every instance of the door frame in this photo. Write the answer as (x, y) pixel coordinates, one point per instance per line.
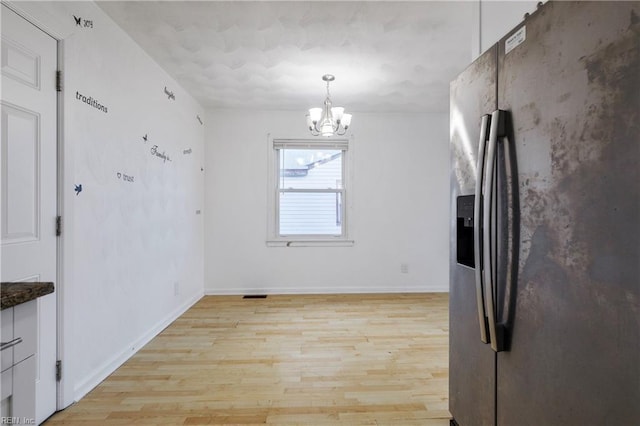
(64, 207)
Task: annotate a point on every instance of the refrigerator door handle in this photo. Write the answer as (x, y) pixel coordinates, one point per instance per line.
(477, 228)
(489, 229)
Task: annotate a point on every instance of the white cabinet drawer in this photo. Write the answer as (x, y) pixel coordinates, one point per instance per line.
(24, 389)
(6, 391)
(6, 388)
(6, 336)
(25, 327)
(19, 332)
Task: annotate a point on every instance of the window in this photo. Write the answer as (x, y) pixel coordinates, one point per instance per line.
(308, 191)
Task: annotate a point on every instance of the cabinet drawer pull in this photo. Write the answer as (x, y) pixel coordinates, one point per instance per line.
(10, 344)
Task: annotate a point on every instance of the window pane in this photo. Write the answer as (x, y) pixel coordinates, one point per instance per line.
(310, 169)
(303, 213)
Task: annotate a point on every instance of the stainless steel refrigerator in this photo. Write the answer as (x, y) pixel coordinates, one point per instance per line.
(545, 223)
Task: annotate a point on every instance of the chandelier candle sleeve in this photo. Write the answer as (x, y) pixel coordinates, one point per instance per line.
(315, 114)
(328, 121)
(337, 113)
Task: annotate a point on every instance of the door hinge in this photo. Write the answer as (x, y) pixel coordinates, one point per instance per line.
(58, 370)
(58, 226)
(59, 81)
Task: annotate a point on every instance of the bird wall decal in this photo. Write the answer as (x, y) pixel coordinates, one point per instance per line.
(169, 94)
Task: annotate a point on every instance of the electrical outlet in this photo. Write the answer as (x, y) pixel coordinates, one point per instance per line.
(404, 268)
(176, 288)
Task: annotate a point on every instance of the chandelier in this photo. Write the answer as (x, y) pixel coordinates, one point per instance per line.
(328, 121)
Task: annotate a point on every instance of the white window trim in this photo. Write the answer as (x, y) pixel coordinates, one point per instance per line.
(275, 240)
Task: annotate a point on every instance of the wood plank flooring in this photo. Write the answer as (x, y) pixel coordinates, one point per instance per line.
(379, 359)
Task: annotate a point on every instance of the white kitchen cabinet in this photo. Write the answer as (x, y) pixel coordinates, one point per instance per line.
(6, 391)
(6, 336)
(19, 332)
(24, 390)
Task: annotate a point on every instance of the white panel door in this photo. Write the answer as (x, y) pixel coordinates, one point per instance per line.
(28, 180)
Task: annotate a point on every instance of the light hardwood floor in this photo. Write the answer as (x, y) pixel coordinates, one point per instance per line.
(305, 360)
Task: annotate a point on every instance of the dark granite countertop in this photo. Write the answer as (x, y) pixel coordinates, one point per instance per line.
(12, 294)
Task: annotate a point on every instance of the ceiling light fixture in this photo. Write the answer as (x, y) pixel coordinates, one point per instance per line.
(328, 120)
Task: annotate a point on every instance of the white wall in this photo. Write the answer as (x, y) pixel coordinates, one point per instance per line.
(126, 244)
(400, 198)
(496, 18)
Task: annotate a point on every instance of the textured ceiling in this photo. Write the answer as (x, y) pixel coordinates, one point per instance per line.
(386, 56)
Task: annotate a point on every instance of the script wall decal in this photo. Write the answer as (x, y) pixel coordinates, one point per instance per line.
(78, 189)
(91, 102)
(156, 153)
(145, 137)
(199, 119)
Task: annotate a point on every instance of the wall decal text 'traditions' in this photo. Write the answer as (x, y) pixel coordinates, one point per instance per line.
(90, 101)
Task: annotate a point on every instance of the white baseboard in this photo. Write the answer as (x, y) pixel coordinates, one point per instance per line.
(101, 373)
(325, 290)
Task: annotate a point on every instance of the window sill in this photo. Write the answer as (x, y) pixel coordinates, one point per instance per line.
(310, 243)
